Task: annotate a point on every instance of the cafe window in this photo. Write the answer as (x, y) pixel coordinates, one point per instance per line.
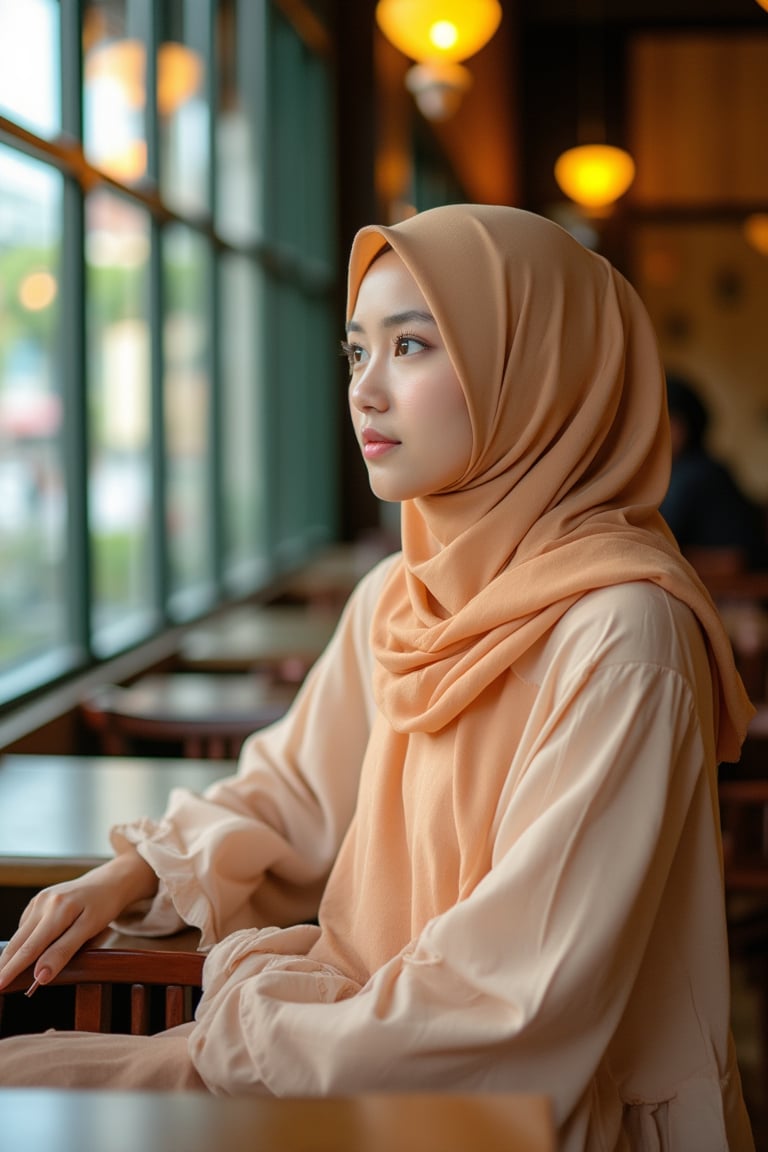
(168, 379)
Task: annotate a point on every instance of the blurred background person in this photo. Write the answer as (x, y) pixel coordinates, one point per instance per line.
(713, 521)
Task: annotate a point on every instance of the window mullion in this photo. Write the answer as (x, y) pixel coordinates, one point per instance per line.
(74, 391)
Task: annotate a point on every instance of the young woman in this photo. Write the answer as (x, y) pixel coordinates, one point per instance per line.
(497, 788)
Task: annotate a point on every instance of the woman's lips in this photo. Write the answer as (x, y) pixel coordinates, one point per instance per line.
(375, 444)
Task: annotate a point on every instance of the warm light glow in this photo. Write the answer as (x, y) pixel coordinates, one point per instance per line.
(763, 4)
(37, 291)
(179, 72)
(120, 62)
(594, 175)
(756, 229)
(443, 34)
(428, 30)
(127, 163)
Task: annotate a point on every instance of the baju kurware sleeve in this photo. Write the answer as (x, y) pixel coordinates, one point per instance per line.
(256, 848)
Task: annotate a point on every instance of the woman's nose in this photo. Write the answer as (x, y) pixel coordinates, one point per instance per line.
(368, 390)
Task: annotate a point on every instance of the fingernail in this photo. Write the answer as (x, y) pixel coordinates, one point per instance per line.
(42, 977)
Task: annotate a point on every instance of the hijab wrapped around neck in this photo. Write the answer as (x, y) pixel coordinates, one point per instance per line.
(570, 461)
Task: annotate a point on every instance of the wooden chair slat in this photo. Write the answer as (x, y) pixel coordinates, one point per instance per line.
(92, 1007)
(139, 1010)
(96, 971)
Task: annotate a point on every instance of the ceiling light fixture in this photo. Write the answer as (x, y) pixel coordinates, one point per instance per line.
(594, 174)
(438, 35)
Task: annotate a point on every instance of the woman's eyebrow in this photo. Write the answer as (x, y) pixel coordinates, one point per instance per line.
(396, 320)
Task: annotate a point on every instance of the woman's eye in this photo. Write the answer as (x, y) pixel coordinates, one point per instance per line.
(354, 353)
(407, 346)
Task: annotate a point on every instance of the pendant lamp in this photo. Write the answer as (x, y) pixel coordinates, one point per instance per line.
(438, 35)
(594, 174)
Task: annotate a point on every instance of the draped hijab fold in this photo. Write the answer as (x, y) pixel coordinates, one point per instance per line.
(565, 389)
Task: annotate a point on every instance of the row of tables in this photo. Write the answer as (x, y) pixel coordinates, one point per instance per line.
(247, 664)
(232, 675)
(56, 811)
(240, 668)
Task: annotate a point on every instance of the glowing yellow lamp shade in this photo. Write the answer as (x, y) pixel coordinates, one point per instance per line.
(429, 30)
(594, 175)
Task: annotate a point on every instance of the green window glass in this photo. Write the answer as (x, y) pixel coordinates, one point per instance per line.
(34, 627)
(187, 415)
(168, 370)
(243, 431)
(114, 88)
(120, 416)
(182, 105)
(30, 76)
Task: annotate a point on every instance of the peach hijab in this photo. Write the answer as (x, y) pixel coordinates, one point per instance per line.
(565, 389)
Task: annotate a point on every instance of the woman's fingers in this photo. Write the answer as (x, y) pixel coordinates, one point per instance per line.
(59, 920)
(38, 939)
(53, 957)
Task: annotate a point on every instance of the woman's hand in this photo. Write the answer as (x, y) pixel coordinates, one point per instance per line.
(60, 919)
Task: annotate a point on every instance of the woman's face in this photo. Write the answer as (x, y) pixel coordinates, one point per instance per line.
(407, 405)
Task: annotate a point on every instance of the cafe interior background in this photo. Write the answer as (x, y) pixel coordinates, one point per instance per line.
(172, 418)
(179, 185)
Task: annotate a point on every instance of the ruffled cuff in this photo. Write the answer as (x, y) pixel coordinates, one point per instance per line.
(177, 902)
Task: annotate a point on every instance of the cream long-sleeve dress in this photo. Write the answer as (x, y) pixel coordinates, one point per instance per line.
(589, 963)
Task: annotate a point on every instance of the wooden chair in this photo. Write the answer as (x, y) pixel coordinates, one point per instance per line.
(746, 620)
(196, 715)
(159, 985)
(744, 821)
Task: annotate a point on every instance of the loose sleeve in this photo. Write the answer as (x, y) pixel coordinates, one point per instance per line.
(520, 985)
(256, 848)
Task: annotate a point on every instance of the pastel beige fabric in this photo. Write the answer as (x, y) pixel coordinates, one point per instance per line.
(561, 373)
(497, 789)
(591, 960)
(93, 1060)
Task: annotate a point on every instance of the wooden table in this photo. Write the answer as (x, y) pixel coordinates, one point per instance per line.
(56, 811)
(202, 714)
(286, 639)
(328, 579)
(47, 1120)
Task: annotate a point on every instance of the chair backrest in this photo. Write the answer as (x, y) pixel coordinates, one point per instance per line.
(744, 821)
(161, 990)
(746, 620)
